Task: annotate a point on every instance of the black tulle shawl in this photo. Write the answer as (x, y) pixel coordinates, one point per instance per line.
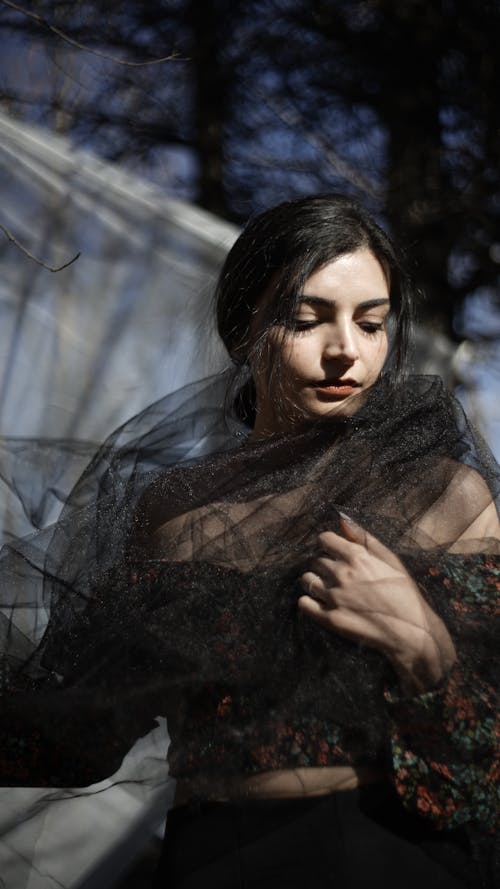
(92, 655)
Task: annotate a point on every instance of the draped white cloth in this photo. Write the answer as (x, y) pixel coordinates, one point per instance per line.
(81, 350)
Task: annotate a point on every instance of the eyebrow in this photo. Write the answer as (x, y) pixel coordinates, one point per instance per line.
(330, 303)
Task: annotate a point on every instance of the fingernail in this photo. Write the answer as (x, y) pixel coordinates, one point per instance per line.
(346, 517)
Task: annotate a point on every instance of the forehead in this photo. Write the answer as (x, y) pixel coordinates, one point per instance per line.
(350, 277)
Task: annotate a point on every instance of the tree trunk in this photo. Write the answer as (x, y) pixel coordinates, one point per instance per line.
(420, 204)
(211, 95)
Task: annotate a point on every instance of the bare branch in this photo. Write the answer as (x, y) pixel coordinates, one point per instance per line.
(102, 55)
(293, 119)
(8, 234)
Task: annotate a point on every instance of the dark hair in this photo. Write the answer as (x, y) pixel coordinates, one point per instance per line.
(280, 249)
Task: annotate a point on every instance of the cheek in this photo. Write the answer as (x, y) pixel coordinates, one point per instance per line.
(278, 356)
(379, 354)
(295, 364)
(298, 357)
(372, 353)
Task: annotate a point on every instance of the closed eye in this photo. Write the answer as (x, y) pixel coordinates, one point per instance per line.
(297, 324)
(371, 327)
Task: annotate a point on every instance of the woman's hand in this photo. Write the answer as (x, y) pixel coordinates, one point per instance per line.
(361, 590)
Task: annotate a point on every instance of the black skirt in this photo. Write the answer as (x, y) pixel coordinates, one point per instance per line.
(346, 840)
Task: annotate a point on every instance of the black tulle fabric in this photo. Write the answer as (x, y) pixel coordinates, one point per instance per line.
(169, 584)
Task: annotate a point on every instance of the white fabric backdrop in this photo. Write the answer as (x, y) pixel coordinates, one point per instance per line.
(81, 351)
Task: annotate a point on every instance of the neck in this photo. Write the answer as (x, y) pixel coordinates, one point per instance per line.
(269, 423)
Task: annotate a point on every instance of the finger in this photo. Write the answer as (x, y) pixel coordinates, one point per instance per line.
(326, 569)
(357, 534)
(315, 589)
(331, 618)
(352, 531)
(346, 624)
(312, 585)
(336, 546)
(313, 607)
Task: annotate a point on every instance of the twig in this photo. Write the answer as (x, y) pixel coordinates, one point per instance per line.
(96, 52)
(8, 234)
(292, 118)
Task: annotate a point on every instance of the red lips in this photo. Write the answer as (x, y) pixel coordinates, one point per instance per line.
(336, 387)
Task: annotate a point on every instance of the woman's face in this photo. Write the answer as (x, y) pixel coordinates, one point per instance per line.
(335, 348)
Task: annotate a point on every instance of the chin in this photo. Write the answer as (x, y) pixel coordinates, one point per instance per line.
(345, 407)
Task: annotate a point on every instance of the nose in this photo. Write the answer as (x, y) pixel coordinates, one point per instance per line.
(340, 343)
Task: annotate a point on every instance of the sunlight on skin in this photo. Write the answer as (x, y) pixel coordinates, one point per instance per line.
(361, 590)
(335, 349)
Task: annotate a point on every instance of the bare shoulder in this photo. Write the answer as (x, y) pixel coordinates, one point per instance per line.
(464, 511)
(174, 538)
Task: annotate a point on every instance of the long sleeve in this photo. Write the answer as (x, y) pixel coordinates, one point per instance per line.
(445, 743)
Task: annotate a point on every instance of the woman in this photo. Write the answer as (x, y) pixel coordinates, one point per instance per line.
(310, 603)
(322, 649)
